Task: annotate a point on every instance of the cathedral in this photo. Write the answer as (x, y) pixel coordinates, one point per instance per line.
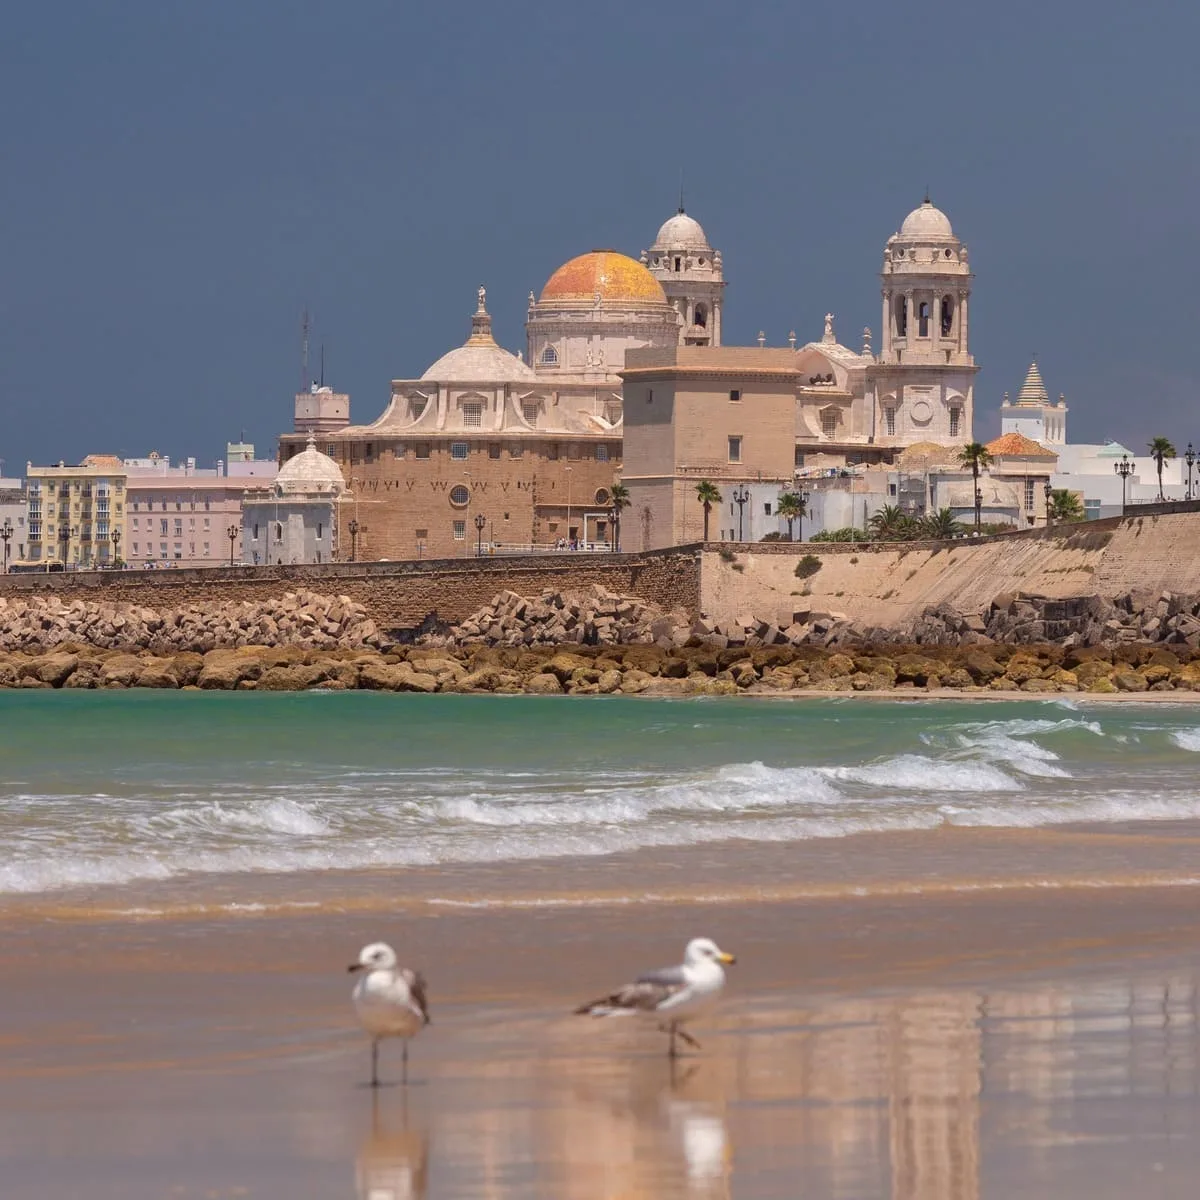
(625, 378)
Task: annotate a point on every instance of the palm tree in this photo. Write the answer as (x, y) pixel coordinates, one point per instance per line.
(790, 507)
(618, 497)
(974, 456)
(942, 525)
(891, 524)
(1160, 450)
(708, 494)
(1064, 506)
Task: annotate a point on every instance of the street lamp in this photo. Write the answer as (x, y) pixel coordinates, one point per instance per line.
(1124, 468)
(740, 495)
(1049, 490)
(1189, 458)
(64, 536)
(353, 528)
(231, 533)
(480, 522)
(6, 532)
(568, 471)
(614, 518)
(116, 541)
(978, 508)
(803, 497)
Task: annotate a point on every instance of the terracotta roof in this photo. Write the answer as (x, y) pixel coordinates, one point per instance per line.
(1017, 445)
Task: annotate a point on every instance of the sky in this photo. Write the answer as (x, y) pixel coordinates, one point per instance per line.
(182, 180)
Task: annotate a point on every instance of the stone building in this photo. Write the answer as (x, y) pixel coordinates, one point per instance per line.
(485, 453)
(692, 277)
(746, 417)
(296, 518)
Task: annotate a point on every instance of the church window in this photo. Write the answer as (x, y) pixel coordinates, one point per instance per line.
(460, 530)
(416, 406)
(947, 316)
(460, 450)
(398, 450)
(955, 417)
(529, 410)
(550, 356)
(320, 529)
(421, 449)
(459, 495)
(552, 451)
(829, 421)
(574, 451)
(701, 316)
(735, 394)
(473, 414)
(278, 531)
(735, 449)
(889, 416)
(901, 317)
(602, 454)
(256, 533)
(493, 449)
(515, 450)
(923, 319)
(678, 262)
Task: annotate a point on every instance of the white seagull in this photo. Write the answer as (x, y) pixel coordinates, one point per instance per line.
(673, 993)
(389, 1001)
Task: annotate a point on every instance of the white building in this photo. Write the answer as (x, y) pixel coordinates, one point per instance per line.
(14, 538)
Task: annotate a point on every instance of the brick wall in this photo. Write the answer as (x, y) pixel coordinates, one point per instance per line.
(397, 595)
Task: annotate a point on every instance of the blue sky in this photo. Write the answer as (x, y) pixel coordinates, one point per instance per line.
(182, 179)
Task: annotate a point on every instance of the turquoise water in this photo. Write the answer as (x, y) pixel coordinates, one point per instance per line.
(122, 787)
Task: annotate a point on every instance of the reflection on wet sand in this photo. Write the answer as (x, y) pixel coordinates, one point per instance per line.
(941, 1095)
(393, 1161)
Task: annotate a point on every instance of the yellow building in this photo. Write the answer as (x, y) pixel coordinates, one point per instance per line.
(77, 514)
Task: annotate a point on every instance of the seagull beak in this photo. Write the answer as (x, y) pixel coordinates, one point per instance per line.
(727, 959)
(354, 967)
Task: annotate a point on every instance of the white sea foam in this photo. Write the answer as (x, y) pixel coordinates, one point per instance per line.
(914, 772)
(1186, 739)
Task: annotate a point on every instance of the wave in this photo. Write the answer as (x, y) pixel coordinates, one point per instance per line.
(1186, 739)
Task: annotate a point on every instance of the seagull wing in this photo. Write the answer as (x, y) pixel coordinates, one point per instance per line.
(416, 989)
(647, 993)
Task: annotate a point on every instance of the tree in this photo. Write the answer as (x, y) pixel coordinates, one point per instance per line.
(974, 456)
(942, 525)
(1064, 506)
(618, 496)
(708, 494)
(1160, 450)
(891, 524)
(790, 507)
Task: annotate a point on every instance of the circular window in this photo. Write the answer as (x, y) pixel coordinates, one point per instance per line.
(602, 496)
(947, 253)
(899, 253)
(700, 260)
(459, 496)
(922, 410)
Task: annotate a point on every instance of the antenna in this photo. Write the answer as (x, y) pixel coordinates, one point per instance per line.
(322, 364)
(304, 379)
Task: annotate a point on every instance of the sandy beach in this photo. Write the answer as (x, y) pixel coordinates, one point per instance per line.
(986, 1020)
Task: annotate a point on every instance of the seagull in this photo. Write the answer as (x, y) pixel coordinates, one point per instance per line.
(389, 1001)
(674, 993)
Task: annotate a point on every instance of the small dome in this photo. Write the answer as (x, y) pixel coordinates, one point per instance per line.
(926, 222)
(607, 274)
(479, 364)
(681, 232)
(310, 471)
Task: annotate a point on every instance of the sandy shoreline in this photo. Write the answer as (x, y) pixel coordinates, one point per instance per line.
(908, 1040)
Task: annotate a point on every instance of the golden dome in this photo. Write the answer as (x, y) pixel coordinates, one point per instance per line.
(606, 273)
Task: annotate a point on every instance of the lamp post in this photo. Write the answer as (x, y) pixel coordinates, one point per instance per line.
(6, 532)
(231, 533)
(740, 495)
(614, 516)
(978, 508)
(116, 541)
(1049, 490)
(804, 499)
(353, 528)
(64, 536)
(480, 522)
(1124, 468)
(568, 471)
(1190, 458)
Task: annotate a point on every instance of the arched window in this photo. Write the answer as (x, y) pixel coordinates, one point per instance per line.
(955, 421)
(901, 317)
(947, 316)
(279, 531)
(459, 496)
(550, 356)
(701, 316)
(923, 319)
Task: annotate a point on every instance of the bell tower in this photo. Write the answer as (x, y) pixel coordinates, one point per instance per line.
(691, 274)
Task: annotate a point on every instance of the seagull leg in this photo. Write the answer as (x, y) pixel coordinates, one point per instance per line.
(404, 1062)
(374, 1062)
(672, 1052)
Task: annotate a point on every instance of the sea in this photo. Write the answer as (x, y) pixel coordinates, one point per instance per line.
(103, 791)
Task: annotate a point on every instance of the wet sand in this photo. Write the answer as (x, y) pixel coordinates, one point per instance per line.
(886, 1032)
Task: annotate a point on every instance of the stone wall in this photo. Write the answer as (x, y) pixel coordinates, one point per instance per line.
(395, 595)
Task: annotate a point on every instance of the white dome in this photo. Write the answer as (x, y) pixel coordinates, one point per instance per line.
(926, 222)
(310, 471)
(479, 363)
(681, 232)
